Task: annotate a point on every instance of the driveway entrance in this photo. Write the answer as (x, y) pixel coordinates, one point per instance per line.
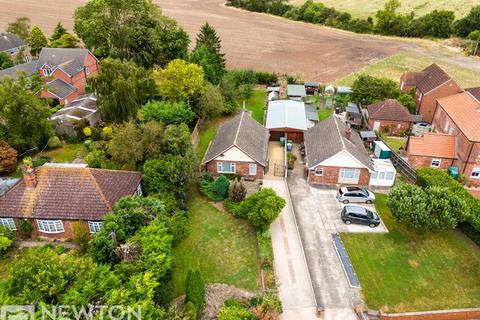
(276, 161)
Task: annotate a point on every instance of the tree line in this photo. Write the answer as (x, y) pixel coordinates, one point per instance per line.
(436, 24)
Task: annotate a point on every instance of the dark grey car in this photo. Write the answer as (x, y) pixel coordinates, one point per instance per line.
(360, 215)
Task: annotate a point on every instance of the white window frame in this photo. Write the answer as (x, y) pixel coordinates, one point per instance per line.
(95, 226)
(8, 223)
(47, 72)
(435, 160)
(318, 172)
(233, 167)
(475, 173)
(343, 179)
(138, 191)
(252, 169)
(50, 226)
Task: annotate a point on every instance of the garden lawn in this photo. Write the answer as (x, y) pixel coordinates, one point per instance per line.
(395, 143)
(64, 154)
(324, 113)
(403, 271)
(4, 265)
(256, 104)
(393, 67)
(221, 246)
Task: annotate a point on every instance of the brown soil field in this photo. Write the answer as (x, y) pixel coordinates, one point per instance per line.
(258, 41)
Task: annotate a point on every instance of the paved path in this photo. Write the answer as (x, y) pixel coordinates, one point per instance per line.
(295, 289)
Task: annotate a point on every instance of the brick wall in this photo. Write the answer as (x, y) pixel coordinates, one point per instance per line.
(242, 168)
(429, 101)
(426, 162)
(64, 236)
(465, 314)
(331, 174)
(395, 128)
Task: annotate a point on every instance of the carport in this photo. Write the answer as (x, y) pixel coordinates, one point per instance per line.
(286, 117)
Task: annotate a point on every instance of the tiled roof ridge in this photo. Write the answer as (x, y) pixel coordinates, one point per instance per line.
(238, 128)
(99, 190)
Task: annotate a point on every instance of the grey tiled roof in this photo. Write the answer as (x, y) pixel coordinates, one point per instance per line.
(328, 138)
(434, 77)
(475, 92)
(244, 133)
(69, 60)
(9, 41)
(60, 88)
(28, 69)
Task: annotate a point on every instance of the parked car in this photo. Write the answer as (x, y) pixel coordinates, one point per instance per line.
(360, 215)
(355, 194)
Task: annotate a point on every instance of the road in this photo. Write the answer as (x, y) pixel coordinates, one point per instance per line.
(258, 41)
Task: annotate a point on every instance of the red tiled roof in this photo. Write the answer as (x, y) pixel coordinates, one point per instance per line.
(69, 193)
(464, 110)
(389, 110)
(436, 145)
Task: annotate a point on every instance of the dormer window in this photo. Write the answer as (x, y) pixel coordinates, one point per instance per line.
(47, 71)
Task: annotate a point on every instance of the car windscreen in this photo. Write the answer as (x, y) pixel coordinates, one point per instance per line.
(370, 214)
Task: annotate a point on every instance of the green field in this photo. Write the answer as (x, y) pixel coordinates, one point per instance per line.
(221, 246)
(394, 66)
(366, 8)
(404, 271)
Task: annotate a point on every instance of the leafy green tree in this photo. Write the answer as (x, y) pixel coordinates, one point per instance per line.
(5, 243)
(37, 41)
(5, 61)
(58, 32)
(65, 41)
(179, 80)
(97, 159)
(177, 140)
(24, 117)
(407, 100)
(368, 89)
(211, 103)
(261, 208)
(20, 27)
(167, 112)
(469, 23)
(195, 290)
(152, 134)
(388, 21)
(446, 209)
(8, 158)
(437, 23)
(122, 88)
(130, 29)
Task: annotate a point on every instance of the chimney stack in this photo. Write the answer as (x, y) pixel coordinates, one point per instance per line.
(29, 175)
(348, 133)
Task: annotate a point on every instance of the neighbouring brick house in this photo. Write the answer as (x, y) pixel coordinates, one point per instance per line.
(389, 116)
(335, 155)
(54, 196)
(14, 46)
(436, 150)
(459, 115)
(429, 84)
(83, 108)
(65, 72)
(239, 147)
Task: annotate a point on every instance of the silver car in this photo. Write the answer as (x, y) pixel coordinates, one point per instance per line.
(355, 194)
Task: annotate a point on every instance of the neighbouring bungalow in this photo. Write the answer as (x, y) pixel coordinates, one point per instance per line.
(436, 150)
(55, 196)
(389, 116)
(312, 88)
(14, 46)
(240, 147)
(65, 71)
(83, 108)
(286, 117)
(335, 155)
(296, 91)
(459, 115)
(429, 85)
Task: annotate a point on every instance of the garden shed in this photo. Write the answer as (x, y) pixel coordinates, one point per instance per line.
(286, 117)
(381, 150)
(384, 173)
(312, 87)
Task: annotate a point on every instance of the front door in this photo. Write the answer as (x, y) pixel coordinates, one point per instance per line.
(376, 125)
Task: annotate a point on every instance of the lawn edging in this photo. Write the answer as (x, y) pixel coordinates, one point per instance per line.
(454, 314)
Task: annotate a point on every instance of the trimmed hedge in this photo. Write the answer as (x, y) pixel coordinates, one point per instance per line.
(431, 177)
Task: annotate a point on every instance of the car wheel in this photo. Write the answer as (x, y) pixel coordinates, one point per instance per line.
(347, 222)
(368, 202)
(346, 201)
(372, 225)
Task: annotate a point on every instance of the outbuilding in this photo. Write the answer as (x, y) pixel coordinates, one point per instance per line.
(286, 117)
(296, 91)
(312, 87)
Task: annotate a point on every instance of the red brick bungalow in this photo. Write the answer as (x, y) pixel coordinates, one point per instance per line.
(336, 155)
(54, 196)
(429, 84)
(240, 147)
(389, 116)
(436, 150)
(459, 115)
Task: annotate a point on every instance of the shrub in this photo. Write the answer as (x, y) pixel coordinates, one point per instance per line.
(167, 112)
(54, 142)
(81, 235)
(189, 311)
(234, 310)
(7, 232)
(5, 243)
(267, 306)
(8, 158)
(96, 159)
(87, 131)
(195, 290)
(237, 191)
(221, 186)
(25, 227)
(266, 78)
(107, 133)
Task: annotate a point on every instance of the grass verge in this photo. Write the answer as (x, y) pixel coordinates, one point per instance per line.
(221, 246)
(404, 271)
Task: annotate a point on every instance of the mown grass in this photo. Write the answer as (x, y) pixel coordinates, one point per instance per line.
(256, 104)
(405, 271)
(393, 67)
(324, 113)
(64, 154)
(221, 246)
(366, 8)
(395, 143)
